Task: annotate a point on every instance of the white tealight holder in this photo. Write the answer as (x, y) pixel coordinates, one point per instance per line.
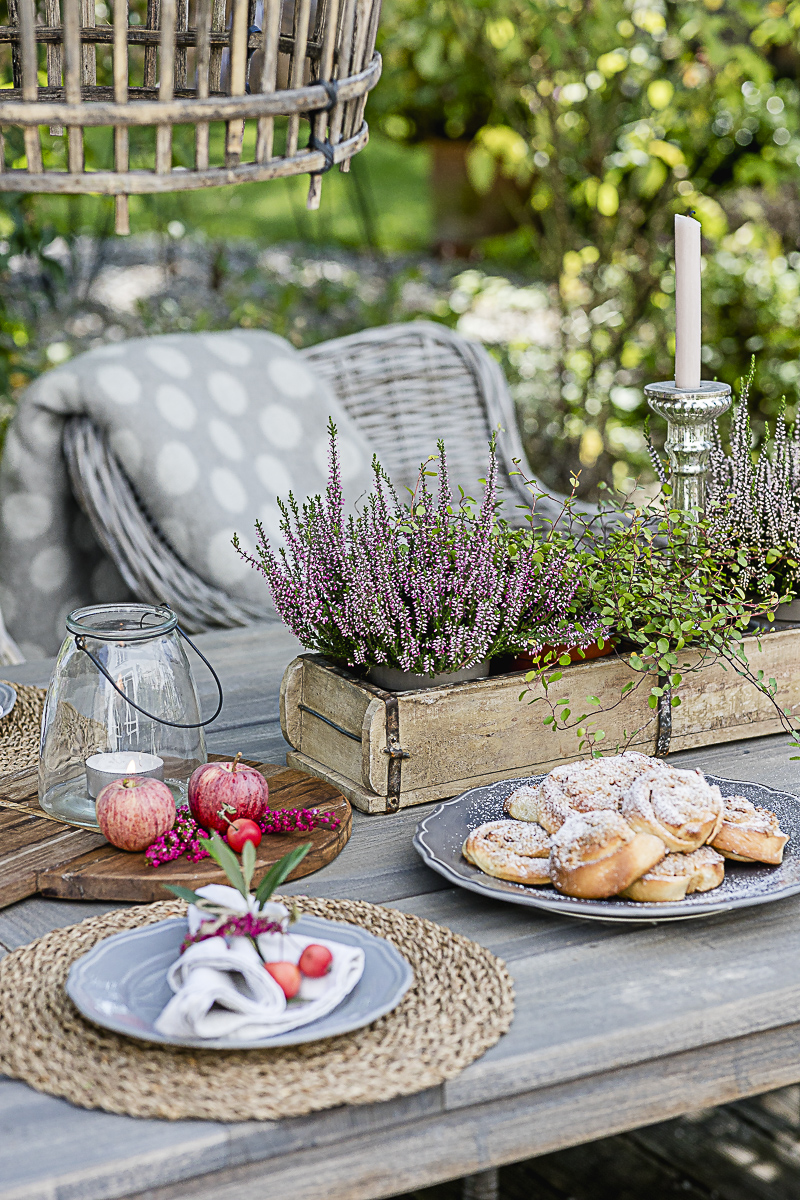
(121, 764)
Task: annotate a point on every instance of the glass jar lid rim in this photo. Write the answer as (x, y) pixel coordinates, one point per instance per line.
(96, 621)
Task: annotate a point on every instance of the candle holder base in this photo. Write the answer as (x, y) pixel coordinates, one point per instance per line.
(689, 413)
(71, 803)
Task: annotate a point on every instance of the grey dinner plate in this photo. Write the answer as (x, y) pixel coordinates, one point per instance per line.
(121, 984)
(8, 698)
(440, 836)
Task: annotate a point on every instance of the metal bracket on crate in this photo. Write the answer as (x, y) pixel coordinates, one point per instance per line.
(396, 753)
(664, 720)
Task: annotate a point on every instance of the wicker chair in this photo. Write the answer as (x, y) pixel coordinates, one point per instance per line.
(405, 386)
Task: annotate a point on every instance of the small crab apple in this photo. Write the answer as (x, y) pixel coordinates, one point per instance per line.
(242, 831)
(287, 976)
(315, 961)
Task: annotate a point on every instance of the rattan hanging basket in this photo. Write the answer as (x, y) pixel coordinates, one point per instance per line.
(242, 73)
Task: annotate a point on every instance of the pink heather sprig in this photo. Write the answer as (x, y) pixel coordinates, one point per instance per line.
(247, 925)
(429, 586)
(187, 837)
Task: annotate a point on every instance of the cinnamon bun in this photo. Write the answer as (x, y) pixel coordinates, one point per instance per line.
(679, 875)
(513, 850)
(749, 833)
(590, 785)
(680, 807)
(596, 855)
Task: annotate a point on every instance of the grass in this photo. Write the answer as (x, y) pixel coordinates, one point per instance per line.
(383, 204)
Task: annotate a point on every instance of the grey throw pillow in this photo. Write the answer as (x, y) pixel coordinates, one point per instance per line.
(209, 428)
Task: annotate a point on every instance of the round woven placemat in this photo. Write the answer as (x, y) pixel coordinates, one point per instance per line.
(20, 730)
(460, 1004)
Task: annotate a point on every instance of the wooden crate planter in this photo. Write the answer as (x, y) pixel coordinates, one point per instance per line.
(390, 750)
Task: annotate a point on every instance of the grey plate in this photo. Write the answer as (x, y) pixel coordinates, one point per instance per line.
(440, 836)
(121, 984)
(8, 698)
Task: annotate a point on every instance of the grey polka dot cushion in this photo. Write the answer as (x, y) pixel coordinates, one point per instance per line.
(209, 428)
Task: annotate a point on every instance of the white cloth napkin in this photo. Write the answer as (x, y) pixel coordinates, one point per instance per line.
(223, 991)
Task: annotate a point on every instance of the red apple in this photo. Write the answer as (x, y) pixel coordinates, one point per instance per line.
(134, 811)
(287, 976)
(242, 831)
(221, 792)
(315, 961)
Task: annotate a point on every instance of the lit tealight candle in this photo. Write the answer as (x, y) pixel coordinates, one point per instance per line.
(106, 768)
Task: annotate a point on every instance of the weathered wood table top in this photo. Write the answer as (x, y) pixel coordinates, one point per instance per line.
(614, 1028)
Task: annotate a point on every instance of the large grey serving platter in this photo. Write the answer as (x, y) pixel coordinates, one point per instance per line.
(440, 836)
(121, 984)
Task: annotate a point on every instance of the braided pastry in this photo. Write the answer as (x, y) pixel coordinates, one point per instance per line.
(679, 875)
(512, 850)
(677, 806)
(589, 785)
(749, 833)
(596, 855)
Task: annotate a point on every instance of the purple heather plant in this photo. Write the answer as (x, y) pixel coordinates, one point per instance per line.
(429, 586)
(753, 500)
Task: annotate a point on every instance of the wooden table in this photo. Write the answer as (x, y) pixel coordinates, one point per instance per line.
(614, 1029)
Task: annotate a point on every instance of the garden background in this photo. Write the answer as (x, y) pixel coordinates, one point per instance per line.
(526, 159)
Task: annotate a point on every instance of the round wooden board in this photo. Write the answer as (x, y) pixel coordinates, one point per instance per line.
(110, 874)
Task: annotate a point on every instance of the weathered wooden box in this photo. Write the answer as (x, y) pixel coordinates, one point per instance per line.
(389, 750)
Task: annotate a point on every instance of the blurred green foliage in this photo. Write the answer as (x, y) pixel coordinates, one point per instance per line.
(609, 118)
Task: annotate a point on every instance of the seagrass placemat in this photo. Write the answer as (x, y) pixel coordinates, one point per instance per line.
(19, 731)
(460, 1004)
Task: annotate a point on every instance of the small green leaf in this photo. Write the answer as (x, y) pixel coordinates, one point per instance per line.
(223, 855)
(564, 660)
(279, 872)
(248, 863)
(183, 893)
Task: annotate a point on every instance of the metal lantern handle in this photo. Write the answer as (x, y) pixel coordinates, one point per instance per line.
(80, 642)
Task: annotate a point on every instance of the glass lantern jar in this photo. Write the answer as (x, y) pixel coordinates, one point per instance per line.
(122, 695)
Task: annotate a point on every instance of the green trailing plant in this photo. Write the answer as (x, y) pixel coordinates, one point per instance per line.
(673, 593)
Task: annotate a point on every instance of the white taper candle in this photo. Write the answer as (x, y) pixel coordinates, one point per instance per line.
(687, 302)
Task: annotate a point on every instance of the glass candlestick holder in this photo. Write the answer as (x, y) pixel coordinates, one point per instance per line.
(690, 414)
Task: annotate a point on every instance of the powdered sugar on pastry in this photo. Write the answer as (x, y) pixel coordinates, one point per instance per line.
(515, 850)
(595, 855)
(590, 785)
(749, 833)
(680, 807)
(679, 875)
(523, 804)
(585, 837)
